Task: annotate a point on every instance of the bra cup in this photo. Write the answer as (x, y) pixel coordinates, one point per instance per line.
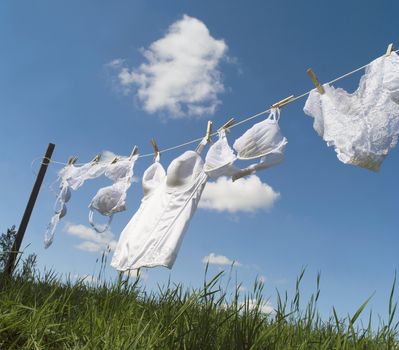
(220, 158)
(102, 201)
(152, 177)
(111, 199)
(107, 199)
(274, 135)
(261, 139)
(184, 169)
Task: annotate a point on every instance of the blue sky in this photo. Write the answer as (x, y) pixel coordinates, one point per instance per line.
(57, 85)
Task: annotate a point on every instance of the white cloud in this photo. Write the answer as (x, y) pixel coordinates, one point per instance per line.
(214, 259)
(265, 306)
(246, 194)
(92, 240)
(180, 75)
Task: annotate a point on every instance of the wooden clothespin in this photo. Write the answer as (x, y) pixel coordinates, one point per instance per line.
(207, 136)
(227, 125)
(389, 49)
(315, 81)
(114, 160)
(134, 152)
(155, 148)
(72, 160)
(283, 102)
(96, 159)
(209, 131)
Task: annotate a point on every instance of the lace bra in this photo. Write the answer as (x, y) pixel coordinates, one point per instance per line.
(363, 126)
(112, 199)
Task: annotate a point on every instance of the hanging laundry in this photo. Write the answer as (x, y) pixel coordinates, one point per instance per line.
(76, 176)
(154, 234)
(60, 210)
(265, 141)
(220, 158)
(112, 199)
(363, 126)
(72, 177)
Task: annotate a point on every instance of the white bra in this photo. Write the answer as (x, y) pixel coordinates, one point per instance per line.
(363, 126)
(73, 177)
(112, 199)
(265, 141)
(220, 158)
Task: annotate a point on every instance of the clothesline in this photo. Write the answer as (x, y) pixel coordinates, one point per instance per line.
(295, 98)
(362, 127)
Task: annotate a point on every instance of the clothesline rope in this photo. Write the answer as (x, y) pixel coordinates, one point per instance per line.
(295, 98)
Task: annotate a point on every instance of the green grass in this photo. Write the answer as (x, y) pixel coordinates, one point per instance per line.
(42, 312)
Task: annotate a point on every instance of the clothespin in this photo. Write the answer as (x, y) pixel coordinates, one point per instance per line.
(227, 125)
(315, 81)
(155, 148)
(209, 131)
(207, 136)
(283, 102)
(96, 159)
(114, 160)
(134, 152)
(72, 160)
(389, 50)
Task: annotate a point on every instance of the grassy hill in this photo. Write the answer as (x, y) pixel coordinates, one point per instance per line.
(48, 313)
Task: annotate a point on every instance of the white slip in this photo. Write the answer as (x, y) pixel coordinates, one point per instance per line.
(155, 233)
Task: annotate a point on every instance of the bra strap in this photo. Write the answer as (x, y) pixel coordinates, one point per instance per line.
(275, 114)
(97, 228)
(201, 146)
(222, 133)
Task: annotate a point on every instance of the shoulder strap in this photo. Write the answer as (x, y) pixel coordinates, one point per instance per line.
(274, 114)
(103, 227)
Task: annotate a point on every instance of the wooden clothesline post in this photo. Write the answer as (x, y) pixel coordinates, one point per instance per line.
(28, 211)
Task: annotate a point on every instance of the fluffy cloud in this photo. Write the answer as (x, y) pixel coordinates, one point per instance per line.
(214, 259)
(246, 194)
(92, 240)
(180, 75)
(265, 306)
